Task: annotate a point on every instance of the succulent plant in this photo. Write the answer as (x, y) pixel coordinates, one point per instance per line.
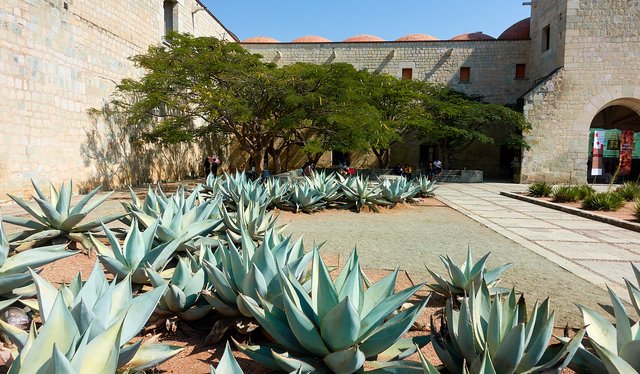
(250, 219)
(427, 187)
(278, 192)
(463, 278)
(210, 187)
(327, 184)
(614, 349)
(358, 194)
(182, 295)
(238, 187)
(87, 328)
(185, 218)
(15, 279)
(495, 336)
(338, 326)
(55, 217)
(540, 189)
(398, 191)
(227, 364)
(253, 271)
(305, 198)
(154, 203)
(137, 253)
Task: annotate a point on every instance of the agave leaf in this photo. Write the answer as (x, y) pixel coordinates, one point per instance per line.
(175, 299)
(623, 327)
(510, 352)
(35, 258)
(81, 204)
(30, 224)
(599, 329)
(127, 352)
(291, 365)
(304, 329)
(630, 352)
(611, 360)
(340, 326)
(567, 355)
(323, 293)
(634, 295)
(346, 361)
(64, 200)
(220, 283)
(17, 336)
(59, 364)
(88, 208)
(487, 367)
(537, 346)
(386, 307)
(492, 276)
(54, 218)
(150, 355)
(378, 292)
(93, 224)
(260, 354)
(106, 343)
(227, 364)
(47, 295)
(23, 204)
(426, 365)
(141, 308)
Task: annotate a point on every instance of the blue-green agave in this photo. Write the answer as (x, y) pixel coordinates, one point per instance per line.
(227, 364)
(426, 187)
(304, 197)
(250, 219)
(278, 191)
(327, 184)
(15, 278)
(238, 187)
(87, 328)
(398, 191)
(614, 348)
(463, 278)
(54, 217)
(358, 193)
(498, 336)
(339, 325)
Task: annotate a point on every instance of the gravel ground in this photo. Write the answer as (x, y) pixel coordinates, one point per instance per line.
(412, 237)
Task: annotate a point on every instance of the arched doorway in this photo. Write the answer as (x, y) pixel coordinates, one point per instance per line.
(614, 142)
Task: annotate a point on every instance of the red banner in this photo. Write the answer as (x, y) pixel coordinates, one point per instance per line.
(626, 152)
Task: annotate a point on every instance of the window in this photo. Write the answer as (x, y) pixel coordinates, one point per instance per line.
(169, 24)
(546, 38)
(407, 74)
(521, 71)
(465, 74)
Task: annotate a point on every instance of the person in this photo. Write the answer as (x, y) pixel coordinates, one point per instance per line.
(308, 170)
(207, 165)
(408, 170)
(430, 171)
(397, 170)
(437, 165)
(215, 163)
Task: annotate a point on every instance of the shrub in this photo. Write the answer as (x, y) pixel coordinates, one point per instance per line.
(584, 191)
(564, 194)
(605, 201)
(540, 189)
(630, 191)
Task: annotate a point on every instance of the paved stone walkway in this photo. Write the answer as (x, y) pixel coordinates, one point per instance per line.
(597, 252)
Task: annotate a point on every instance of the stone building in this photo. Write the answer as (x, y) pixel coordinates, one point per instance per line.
(573, 65)
(60, 58)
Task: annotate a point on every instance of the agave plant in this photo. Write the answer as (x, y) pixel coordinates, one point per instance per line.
(398, 190)
(136, 254)
(338, 326)
(327, 184)
(55, 217)
(614, 349)
(15, 279)
(154, 203)
(238, 187)
(463, 278)
(210, 187)
(358, 194)
(227, 364)
(495, 336)
(278, 192)
(426, 186)
(250, 219)
(251, 272)
(186, 218)
(87, 328)
(305, 198)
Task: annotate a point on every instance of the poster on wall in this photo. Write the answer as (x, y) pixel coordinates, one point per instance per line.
(626, 152)
(612, 143)
(598, 152)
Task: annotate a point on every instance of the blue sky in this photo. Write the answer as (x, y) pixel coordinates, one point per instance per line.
(336, 20)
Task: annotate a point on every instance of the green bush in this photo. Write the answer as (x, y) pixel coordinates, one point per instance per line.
(540, 189)
(585, 191)
(563, 194)
(606, 201)
(629, 191)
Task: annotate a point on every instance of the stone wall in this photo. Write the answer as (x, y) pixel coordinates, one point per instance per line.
(492, 62)
(57, 60)
(601, 68)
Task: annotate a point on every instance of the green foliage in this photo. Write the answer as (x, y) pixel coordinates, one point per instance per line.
(606, 201)
(630, 191)
(563, 194)
(427, 187)
(237, 187)
(278, 192)
(614, 348)
(55, 217)
(15, 279)
(326, 184)
(339, 325)
(399, 190)
(540, 189)
(251, 219)
(358, 193)
(86, 328)
(465, 279)
(497, 336)
(306, 198)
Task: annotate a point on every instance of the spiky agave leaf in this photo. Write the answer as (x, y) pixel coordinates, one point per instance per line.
(358, 193)
(339, 325)
(426, 187)
(251, 219)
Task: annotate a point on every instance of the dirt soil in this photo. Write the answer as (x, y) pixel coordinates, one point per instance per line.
(626, 213)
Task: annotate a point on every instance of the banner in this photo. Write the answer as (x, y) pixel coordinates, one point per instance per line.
(636, 145)
(598, 152)
(626, 152)
(612, 143)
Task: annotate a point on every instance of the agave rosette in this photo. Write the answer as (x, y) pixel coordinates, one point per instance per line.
(87, 328)
(358, 193)
(327, 184)
(305, 198)
(238, 187)
(278, 192)
(426, 187)
(251, 219)
(339, 325)
(398, 191)
(54, 217)
(496, 336)
(614, 348)
(15, 278)
(463, 278)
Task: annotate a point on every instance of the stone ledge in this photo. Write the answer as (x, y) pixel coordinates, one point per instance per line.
(575, 211)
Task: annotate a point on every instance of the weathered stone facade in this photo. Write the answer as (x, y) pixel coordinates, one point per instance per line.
(60, 58)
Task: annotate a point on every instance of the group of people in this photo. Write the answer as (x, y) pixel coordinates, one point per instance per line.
(211, 164)
(406, 170)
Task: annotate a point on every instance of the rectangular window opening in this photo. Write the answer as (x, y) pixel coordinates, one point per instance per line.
(546, 38)
(521, 71)
(407, 74)
(465, 74)
(168, 16)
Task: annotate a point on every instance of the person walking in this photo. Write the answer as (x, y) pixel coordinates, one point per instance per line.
(207, 165)
(215, 163)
